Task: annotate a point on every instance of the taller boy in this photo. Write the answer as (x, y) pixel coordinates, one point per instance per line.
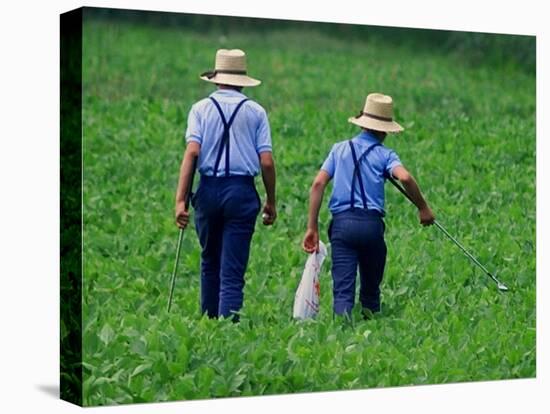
(359, 167)
(230, 135)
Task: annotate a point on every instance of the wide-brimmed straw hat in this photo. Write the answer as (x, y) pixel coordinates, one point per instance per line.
(377, 114)
(230, 69)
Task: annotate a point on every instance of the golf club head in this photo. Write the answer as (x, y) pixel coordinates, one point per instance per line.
(501, 286)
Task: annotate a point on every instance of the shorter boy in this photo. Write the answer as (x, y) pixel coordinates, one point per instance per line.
(359, 168)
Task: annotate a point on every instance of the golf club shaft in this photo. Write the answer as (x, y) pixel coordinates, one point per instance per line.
(455, 241)
(466, 252)
(173, 282)
(187, 199)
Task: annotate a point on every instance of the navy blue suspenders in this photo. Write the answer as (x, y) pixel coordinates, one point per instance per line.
(224, 142)
(357, 173)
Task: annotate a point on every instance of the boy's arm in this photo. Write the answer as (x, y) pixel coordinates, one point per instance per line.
(411, 187)
(311, 238)
(267, 165)
(191, 151)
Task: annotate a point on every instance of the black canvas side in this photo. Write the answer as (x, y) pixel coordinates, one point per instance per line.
(71, 206)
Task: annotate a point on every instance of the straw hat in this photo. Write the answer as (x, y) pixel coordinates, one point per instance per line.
(230, 69)
(377, 114)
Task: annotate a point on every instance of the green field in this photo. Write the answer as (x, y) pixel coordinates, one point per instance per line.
(469, 141)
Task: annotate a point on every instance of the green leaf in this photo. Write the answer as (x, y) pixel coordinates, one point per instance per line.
(402, 290)
(183, 352)
(236, 382)
(106, 334)
(140, 368)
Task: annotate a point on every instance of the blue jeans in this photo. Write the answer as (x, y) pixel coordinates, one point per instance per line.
(225, 216)
(357, 238)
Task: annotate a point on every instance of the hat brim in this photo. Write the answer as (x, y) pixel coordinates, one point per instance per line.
(232, 80)
(378, 125)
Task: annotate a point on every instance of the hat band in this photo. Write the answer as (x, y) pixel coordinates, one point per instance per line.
(211, 73)
(380, 118)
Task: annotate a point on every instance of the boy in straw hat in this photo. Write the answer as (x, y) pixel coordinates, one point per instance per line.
(359, 167)
(230, 135)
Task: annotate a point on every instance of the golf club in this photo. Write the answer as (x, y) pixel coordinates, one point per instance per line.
(500, 285)
(187, 198)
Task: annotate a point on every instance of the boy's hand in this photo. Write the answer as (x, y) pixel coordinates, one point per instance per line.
(311, 241)
(269, 214)
(182, 216)
(426, 216)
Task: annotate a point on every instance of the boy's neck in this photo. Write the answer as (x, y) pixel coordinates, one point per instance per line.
(231, 87)
(378, 134)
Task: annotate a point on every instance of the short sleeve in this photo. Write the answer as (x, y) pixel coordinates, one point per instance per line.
(263, 135)
(392, 162)
(330, 163)
(193, 133)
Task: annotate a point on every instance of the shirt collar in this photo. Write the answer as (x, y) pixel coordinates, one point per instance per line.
(228, 93)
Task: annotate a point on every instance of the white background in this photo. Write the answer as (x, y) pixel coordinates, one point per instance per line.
(29, 205)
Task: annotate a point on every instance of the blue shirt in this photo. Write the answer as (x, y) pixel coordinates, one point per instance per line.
(249, 134)
(374, 168)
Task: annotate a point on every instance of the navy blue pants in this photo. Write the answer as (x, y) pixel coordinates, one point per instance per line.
(357, 239)
(225, 216)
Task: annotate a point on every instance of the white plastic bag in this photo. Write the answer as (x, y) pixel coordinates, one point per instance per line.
(306, 301)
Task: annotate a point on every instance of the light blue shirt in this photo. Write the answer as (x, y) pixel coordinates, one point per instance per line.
(249, 134)
(378, 164)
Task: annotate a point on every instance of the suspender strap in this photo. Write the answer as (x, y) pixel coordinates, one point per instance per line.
(224, 142)
(361, 188)
(357, 173)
